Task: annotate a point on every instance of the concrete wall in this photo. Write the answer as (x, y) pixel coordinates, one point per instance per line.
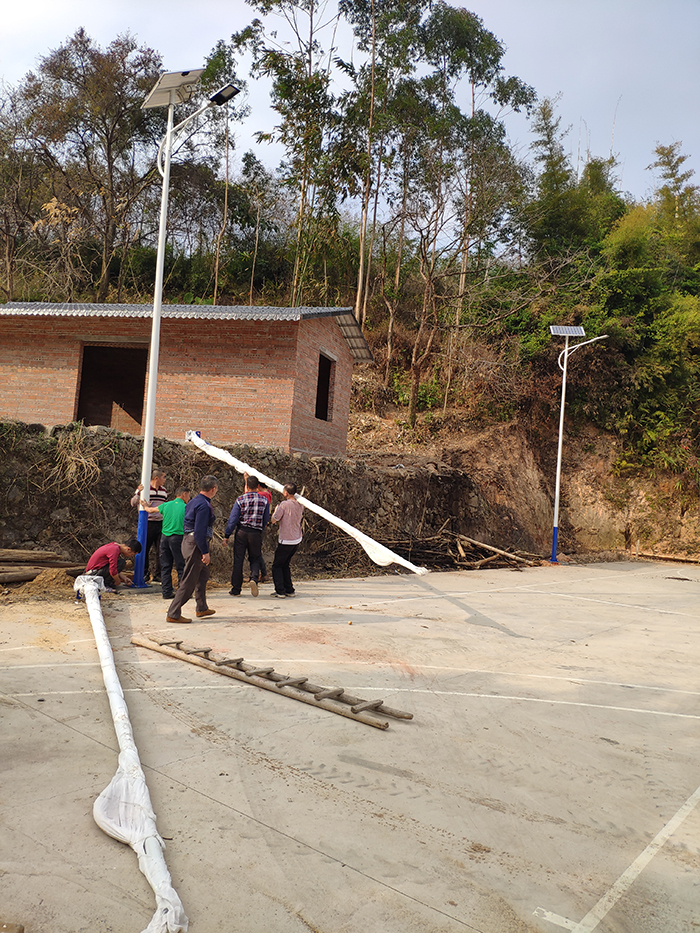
(238, 382)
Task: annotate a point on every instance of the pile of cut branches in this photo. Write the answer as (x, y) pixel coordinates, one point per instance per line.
(446, 550)
(449, 550)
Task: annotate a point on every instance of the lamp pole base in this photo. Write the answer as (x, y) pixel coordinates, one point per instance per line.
(140, 559)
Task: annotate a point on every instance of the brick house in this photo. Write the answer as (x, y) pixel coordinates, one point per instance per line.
(270, 377)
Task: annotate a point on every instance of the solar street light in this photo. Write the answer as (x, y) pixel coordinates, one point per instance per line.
(170, 89)
(566, 331)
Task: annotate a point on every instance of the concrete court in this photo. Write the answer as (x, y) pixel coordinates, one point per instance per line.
(549, 780)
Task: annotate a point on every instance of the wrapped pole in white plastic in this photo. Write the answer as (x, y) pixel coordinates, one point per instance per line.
(123, 809)
(377, 552)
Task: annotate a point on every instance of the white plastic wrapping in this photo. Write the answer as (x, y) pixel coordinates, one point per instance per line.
(123, 809)
(377, 552)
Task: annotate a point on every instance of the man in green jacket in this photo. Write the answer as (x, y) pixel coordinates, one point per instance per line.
(173, 513)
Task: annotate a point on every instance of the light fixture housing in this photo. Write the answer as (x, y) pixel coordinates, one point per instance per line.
(224, 94)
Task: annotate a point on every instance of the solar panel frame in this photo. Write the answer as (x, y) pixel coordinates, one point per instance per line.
(566, 330)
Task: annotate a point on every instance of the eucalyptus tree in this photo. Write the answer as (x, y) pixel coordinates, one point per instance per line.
(388, 31)
(82, 111)
(463, 52)
(301, 95)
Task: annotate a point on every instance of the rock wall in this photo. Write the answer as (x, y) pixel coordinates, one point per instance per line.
(68, 490)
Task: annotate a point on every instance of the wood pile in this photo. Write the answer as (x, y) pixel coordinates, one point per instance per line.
(17, 566)
(446, 550)
(449, 550)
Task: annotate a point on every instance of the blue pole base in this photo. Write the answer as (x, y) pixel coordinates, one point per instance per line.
(140, 559)
(553, 558)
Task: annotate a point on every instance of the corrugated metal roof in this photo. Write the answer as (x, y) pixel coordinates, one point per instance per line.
(346, 320)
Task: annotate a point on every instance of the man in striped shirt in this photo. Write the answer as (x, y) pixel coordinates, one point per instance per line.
(157, 495)
(248, 519)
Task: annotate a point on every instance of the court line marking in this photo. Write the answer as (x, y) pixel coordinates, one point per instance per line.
(554, 918)
(629, 876)
(610, 602)
(571, 679)
(392, 691)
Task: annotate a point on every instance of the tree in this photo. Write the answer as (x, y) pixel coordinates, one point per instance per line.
(82, 111)
(21, 193)
(676, 199)
(301, 95)
(389, 32)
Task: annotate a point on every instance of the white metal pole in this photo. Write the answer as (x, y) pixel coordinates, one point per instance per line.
(555, 529)
(149, 426)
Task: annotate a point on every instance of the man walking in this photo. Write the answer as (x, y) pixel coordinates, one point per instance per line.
(249, 517)
(198, 530)
(173, 513)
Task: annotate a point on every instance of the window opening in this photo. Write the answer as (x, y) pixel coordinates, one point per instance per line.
(324, 388)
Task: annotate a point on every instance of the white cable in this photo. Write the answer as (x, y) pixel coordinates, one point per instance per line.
(377, 552)
(123, 809)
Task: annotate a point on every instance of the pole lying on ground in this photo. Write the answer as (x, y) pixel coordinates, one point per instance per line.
(377, 552)
(123, 809)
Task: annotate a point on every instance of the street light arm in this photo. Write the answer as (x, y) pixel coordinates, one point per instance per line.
(176, 129)
(567, 351)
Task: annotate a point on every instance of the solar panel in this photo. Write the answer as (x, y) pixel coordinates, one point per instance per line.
(182, 82)
(566, 330)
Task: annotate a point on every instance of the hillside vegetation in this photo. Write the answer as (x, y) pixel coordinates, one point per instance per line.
(399, 195)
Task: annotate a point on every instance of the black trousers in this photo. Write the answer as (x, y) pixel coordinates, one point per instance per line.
(247, 540)
(104, 572)
(154, 531)
(281, 572)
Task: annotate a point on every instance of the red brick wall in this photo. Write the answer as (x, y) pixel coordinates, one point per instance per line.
(309, 433)
(250, 382)
(231, 380)
(39, 366)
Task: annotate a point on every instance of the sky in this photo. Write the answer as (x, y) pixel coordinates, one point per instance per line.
(627, 71)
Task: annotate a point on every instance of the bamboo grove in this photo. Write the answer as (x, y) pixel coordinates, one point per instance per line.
(399, 194)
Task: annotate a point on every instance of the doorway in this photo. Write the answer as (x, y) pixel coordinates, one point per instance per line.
(112, 383)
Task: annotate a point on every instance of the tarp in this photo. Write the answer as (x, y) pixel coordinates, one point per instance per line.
(123, 809)
(377, 552)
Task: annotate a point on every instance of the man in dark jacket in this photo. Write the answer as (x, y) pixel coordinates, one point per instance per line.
(198, 530)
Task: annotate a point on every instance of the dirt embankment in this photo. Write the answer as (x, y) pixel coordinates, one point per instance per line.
(68, 490)
(514, 469)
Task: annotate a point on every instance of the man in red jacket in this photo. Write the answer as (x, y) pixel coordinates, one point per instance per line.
(110, 560)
